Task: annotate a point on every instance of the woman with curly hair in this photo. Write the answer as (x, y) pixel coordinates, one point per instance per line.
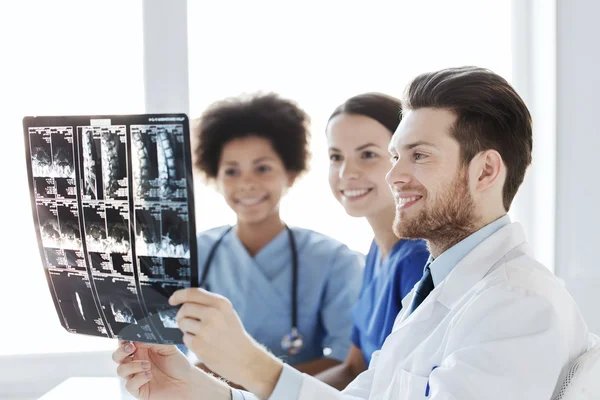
(293, 288)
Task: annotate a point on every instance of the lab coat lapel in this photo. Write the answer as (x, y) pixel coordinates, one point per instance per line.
(465, 275)
(476, 265)
(406, 302)
(423, 312)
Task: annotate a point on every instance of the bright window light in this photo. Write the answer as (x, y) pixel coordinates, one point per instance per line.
(66, 57)
(63, 57)
(321, 52)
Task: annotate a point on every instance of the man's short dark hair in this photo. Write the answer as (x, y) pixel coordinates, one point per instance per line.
(490, 115)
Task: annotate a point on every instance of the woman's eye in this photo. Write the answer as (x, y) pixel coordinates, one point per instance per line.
(335, 157)
(230, 172)
(369, 154)
(264, 168)
(419, 156)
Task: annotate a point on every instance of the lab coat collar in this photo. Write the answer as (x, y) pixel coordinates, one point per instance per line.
(475, 265)
(470, 270)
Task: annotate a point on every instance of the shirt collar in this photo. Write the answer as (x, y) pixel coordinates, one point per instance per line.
(445, 263)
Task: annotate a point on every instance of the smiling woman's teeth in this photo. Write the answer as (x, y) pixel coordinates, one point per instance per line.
(355, 193)
(251, 202)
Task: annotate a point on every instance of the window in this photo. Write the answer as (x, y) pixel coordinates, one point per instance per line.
(74, 57)
(63, 57)
(321, 52)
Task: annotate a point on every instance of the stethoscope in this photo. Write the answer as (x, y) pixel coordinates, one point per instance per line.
(292, 342)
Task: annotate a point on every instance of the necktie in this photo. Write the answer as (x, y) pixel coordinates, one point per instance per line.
(423, 289)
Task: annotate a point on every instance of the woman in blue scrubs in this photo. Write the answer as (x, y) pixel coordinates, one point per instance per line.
(358, 133)
(293, 288)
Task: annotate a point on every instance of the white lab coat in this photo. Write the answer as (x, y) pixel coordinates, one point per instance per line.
(500, 326)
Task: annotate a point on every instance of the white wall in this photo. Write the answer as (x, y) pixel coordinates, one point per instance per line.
(578, 153)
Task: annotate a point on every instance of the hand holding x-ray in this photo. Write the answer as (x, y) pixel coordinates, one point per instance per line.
(213, 331)
(153, 372)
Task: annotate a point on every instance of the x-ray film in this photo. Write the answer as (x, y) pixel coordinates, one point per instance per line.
(113, 207)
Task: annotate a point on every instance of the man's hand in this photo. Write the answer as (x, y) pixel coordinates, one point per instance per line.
(154, 372)
(214, 332)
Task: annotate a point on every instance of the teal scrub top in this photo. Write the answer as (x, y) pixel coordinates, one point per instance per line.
(259, 288)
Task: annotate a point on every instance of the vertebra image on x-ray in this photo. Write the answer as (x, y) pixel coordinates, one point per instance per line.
(162, 231)
(158, 161)
(119, 300)
(95, 227)
(175, 232)
(114, 162)
(41, 154)
(51, 151)
(62, 153)
(117, 223)
(144, 157)
(48, 224)
(91, 165)
(121, 312)
(147, 231)
(162, 315)
(68, 221)
(171, 166)
(167, 317)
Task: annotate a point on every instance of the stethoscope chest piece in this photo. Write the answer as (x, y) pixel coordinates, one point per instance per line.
(292, 342)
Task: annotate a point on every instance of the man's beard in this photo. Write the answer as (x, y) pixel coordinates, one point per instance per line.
(451, 218)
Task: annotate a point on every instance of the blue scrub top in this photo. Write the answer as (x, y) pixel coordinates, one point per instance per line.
(259, 287)
(384, 286)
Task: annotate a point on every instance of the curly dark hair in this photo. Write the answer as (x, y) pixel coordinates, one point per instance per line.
(269, 116)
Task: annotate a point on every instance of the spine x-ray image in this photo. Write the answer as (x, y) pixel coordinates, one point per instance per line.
(161, 231)
(112, 201)
(68, 220)
(95, 227)
(48, 224)
(159, 162)
(114, 163)
(51, 150)
(117, 228)
(91, 161)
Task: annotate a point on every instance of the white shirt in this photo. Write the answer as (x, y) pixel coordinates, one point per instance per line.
(500, 326)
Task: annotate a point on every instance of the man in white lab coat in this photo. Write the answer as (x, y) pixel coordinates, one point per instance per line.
(486, 321)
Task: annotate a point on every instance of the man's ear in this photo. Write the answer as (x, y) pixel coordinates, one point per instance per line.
(488, 169)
